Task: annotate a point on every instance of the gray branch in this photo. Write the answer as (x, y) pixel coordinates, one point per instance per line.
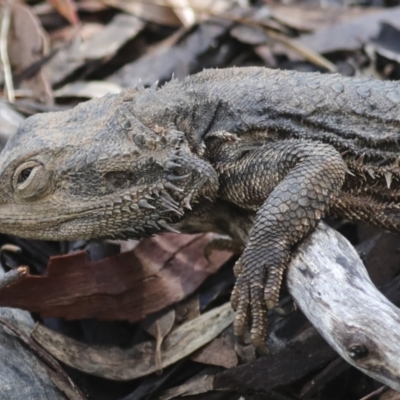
(331, 286)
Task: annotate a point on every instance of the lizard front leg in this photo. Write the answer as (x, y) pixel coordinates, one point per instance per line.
(291, 185)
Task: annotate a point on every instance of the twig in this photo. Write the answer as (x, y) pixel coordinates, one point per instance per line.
(375, 393)
(307, 53)
(5, 27)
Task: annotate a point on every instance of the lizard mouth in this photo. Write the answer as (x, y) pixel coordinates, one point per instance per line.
(33, 225)
(120, 218)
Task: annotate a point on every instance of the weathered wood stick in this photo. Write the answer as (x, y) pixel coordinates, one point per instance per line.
(331, 286)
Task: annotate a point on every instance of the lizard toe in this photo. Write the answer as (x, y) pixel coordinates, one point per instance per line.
(258, 315)
(222, 244)
(241, 304)
(235, 294)
(238, 267)
(273, 286)
(248, 302)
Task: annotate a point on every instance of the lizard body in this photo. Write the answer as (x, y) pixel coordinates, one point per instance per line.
(260, 155)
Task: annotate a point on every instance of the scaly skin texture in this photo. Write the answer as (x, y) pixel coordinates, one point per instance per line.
(260, 155)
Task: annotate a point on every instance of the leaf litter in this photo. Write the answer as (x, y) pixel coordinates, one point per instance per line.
(159, 310)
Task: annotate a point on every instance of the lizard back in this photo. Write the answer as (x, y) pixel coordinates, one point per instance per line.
(360, 117)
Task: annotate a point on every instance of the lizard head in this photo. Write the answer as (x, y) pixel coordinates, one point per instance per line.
(96, 171)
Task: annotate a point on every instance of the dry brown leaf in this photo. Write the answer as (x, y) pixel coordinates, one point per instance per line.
(215, 7)
(67, 8)
(309, 18)
(253, 35)
(28, 44)
(187, 309)
(184, 11)
(94, 42)
(68, 41)
(107, 42)
(267, 55)
(88, 90)
(199, 384)
(10, 120)
(349, 35)
(127, 364)
(157, 12)
(308, 53)
(218, 352)
(66, 34)
(91, 6)
(159, 326)
(158, 272)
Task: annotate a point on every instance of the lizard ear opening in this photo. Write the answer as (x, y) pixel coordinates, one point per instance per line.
(31, 180)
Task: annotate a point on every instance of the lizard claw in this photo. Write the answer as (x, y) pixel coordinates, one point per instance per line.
(253, 295)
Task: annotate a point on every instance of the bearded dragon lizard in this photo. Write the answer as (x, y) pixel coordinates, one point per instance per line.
(257, 154)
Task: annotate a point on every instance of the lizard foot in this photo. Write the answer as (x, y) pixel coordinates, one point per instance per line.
(256, 291)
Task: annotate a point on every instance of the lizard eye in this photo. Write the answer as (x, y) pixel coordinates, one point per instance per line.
(31, 180)
(24, 175)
